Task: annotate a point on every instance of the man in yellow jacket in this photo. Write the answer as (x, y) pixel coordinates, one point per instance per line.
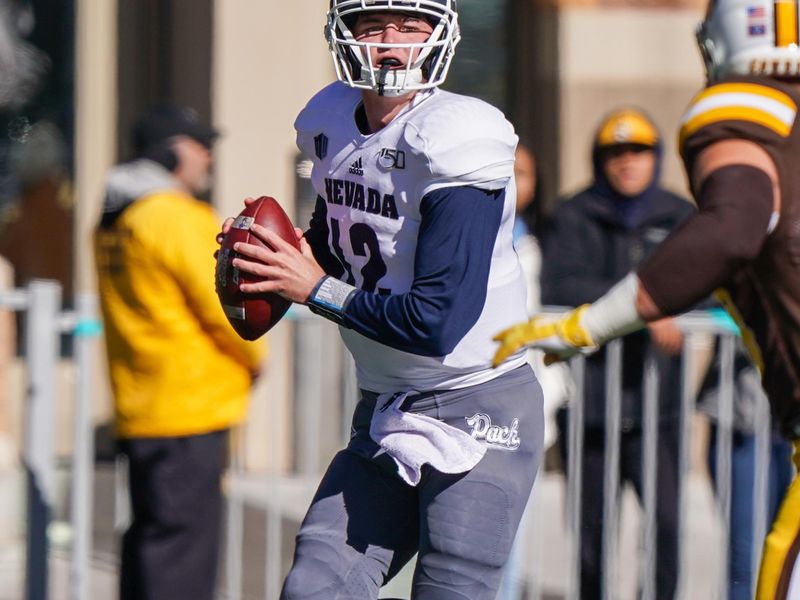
(180, 375)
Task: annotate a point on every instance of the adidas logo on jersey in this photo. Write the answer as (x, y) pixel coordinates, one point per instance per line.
(357, 168)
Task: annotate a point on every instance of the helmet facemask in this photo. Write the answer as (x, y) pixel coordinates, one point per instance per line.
(428, 62)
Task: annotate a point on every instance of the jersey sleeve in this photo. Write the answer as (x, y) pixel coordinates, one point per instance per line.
(451, 274)
(324, 108)
(465, 142)
(736, 110)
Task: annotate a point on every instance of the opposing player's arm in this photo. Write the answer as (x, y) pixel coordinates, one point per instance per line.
(736, 189)
(737, 192)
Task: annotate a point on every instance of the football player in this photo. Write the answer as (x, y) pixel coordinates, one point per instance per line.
(410, 251)
(740, 143)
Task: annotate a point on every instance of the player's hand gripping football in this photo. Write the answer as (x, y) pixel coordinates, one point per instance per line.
(280, 267)
(560, 337)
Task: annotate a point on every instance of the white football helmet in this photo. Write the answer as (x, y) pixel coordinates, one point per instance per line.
(757, 37)
(433, 57)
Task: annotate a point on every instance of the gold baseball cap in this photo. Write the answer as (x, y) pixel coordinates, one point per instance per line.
(628, 126)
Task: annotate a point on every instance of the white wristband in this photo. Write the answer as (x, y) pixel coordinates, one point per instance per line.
(614, 315)
(329, 298)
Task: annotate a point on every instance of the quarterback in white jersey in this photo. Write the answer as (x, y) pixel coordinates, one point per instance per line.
(421, 325)
(410, 251)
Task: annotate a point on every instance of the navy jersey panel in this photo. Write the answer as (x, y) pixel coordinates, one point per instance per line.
(451, 271)
(317, 237)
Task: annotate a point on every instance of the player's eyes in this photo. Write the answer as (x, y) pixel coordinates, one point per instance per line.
(377, 29)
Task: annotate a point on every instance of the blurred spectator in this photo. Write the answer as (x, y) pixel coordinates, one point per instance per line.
(750, 407)
(555, 379)
(180, 375)
(598, 237)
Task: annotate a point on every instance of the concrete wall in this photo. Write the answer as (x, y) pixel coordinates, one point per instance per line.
(269, 58)
(622, 56)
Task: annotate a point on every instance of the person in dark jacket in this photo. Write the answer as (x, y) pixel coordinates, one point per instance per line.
(594, 240)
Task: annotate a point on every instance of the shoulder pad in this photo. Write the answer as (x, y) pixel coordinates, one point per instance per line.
(465, 141)
(754, 111)
(324, 109)
(329, 101)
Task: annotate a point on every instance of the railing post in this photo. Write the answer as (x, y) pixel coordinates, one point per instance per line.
(575, 441)
(613, 432)
(41, 343)
(86, 329)
(651, 389)
(727, 350)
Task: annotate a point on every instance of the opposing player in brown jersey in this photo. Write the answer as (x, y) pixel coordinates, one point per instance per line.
(740, 142)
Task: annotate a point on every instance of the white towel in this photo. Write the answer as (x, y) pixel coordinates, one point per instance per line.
(414, 439)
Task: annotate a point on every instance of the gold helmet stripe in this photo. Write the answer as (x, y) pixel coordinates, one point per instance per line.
(751, 89)
(751, 102)
(786, 26)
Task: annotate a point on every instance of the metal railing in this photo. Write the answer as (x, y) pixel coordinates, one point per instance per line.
(324, 401)
(45, 322)
(520, 584)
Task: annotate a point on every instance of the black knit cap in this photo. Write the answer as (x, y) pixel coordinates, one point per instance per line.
(168, 120)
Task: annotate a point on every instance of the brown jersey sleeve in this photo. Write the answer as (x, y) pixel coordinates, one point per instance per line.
(734, 202)
(740, 108)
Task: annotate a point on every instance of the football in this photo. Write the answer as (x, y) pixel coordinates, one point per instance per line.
(251, 315)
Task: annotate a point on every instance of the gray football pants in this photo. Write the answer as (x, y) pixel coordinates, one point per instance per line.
(365, 523)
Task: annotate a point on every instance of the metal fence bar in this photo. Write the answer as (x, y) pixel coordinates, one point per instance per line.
(85, 329)
(41, 339)
(16, 300)
(684, 456)
(611, 466)
(723, 457)
(534, 583)
(234, 534)
(309, 390)
(763, 433)
(574, 483)
(649, 471)
(274, 518)
(43, 300)
(272, 583)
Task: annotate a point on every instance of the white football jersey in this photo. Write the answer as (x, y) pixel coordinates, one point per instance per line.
(373, 186)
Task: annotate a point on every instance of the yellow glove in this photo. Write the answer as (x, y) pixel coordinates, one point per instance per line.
(561, 336)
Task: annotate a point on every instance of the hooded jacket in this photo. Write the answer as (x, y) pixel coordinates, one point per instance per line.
(594, 240)
(176, 365)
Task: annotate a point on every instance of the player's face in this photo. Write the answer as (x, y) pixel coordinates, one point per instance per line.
(525, 176)
(391, 28)
(630, 171)
(194, 164)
